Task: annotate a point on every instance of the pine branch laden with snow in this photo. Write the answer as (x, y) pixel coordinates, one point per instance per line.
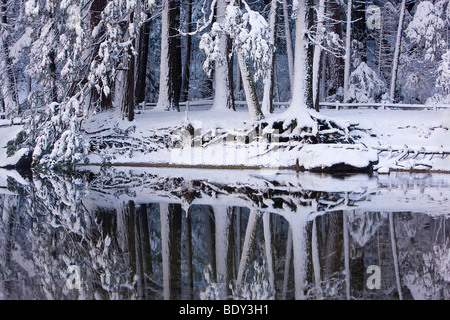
(427, 27)
(59, 139)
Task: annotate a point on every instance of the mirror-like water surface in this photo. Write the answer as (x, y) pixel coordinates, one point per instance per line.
(125, 233)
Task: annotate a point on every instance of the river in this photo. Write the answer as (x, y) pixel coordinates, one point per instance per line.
(159, 233)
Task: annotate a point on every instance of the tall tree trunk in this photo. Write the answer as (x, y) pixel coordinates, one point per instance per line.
(249, 89)
(335, 64)
(359, 28)
(128, 108)
(223, 98)
(144, 39)
(348, 40)
(128, 102)
(170, 69)
(318, 54)
(302, 90)
(267, 104)
(398, 43)
(187, 53)
(95, 11)
(289, 49)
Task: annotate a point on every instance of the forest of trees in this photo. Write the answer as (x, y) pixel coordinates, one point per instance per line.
(75, 58)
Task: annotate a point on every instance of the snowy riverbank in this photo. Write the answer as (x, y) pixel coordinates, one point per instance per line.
(389, 139)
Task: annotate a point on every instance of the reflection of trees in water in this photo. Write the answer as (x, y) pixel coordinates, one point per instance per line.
(241, 242)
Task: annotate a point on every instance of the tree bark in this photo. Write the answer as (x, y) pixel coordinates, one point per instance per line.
(302, 90)
(170, 77)
(267, 104)
(318, 54)
(347, 48)
(144, 39)
(249, 89)
(223, 98)
(290, 53)
(128, 102)
(187, 53)
(397, 50)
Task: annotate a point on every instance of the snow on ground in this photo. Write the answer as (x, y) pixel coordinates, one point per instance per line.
(422, 134)
(397, 139)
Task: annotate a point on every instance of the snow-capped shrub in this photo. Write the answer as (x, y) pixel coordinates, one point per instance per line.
(365, 85)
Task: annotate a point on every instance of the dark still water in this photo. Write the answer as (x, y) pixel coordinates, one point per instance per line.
(130, 233)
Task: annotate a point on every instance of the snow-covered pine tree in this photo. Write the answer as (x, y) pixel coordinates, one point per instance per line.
(87, 57)
(428, 32)
(9, 78)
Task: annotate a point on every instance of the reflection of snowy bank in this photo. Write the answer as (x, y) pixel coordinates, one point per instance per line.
(276, 191)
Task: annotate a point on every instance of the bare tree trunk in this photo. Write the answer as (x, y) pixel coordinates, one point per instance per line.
(347, 48)
(398, 43)
(302, 90)
(318, 55)
(223, 99)
(170, 76)
(249, 89)
(144, 38)
(289, 49)
(128, 102)
(267, 104)
(187, 53)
